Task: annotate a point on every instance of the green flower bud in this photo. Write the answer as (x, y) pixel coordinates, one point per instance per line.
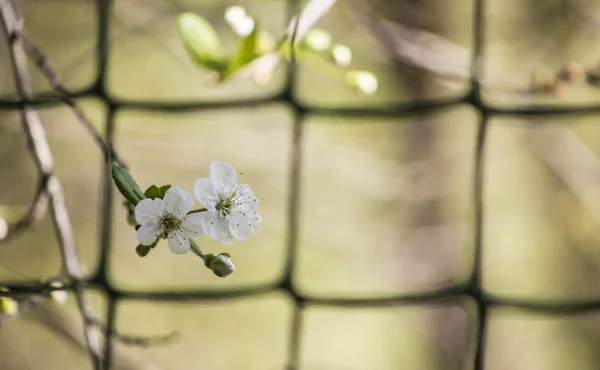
(143, 250)
(8, 306)
(220, 265)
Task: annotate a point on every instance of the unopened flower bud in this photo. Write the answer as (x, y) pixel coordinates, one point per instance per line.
(142, 250)
(341, 55)
(317, 39)
(363, 81)
(8, 306)
(235, 14)
(220, 265)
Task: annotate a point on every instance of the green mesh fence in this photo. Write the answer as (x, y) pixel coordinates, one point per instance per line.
(471, 288)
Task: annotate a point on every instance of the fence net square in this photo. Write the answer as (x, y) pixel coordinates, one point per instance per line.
(50, 190)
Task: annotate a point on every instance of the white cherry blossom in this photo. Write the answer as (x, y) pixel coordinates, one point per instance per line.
(231, 206)
(168, 218)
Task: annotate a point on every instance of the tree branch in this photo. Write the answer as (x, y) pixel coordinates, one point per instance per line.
(38, 145)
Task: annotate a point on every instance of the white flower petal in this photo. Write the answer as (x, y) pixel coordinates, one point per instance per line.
(149, 210)
(192, 225)
(206, 194)
(222, 176)
(241, 225)
(245, 198)
(244, 217)
(178, 243)
(215, 226)
(228, 240)
(178, 202)
(256, 222)
(148, 233)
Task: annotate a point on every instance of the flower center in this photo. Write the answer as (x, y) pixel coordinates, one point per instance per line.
(170, 223)
(225, 203)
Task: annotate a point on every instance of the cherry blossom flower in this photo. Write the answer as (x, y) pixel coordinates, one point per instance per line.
(231, 207)
(168, 218)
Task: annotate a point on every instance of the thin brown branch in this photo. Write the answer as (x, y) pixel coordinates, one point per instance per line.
(136, 340)
(57, 84)
(34, 301)
(39, 308)
(35, 212)
(42, 155)
(50, 189)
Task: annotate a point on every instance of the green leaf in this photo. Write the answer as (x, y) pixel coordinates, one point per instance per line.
(127, 185)
(202, 42)
(163, 190)
(247, 52)
(152, 192)
(142, 250)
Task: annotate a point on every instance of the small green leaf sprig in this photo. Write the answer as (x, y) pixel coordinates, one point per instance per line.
(259, 53)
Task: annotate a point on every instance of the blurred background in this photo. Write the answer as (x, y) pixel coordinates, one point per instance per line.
(385, 202)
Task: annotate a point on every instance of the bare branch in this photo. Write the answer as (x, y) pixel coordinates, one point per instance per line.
(39, 308)
(55, 81)
(43, 298)
(42, 155)
(50, 189)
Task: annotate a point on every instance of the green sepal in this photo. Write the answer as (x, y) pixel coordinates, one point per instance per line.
(142, 250)
(153, 192)
(127, 185)
(163, 190)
